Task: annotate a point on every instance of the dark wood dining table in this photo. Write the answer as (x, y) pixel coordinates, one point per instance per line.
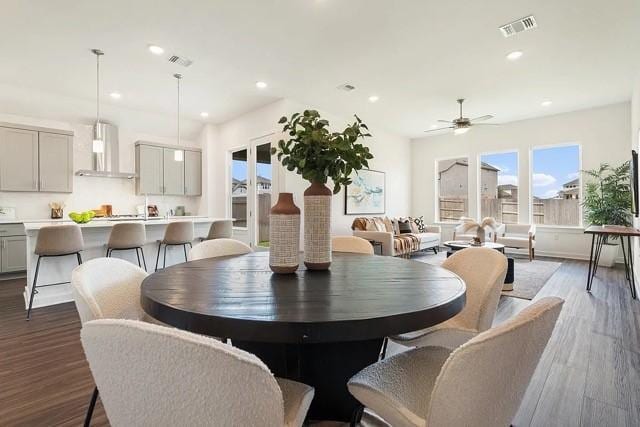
(317, 327)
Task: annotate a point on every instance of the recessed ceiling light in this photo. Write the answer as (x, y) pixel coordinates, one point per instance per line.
(373, 98)
(516, 54)
(261, 85)
(546, 103)
(204, 114)
(156, 50)
(115, 95)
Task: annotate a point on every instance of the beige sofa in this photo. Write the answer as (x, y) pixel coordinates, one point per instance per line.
(392, 242)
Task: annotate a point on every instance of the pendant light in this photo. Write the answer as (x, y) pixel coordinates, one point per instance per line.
(98, 134)
(178, 155)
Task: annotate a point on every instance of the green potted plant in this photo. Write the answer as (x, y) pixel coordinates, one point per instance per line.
(607, 201)
(319, 156)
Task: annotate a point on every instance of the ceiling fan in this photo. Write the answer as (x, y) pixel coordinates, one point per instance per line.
(463, 124)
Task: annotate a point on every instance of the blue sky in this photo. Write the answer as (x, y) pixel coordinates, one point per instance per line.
(551, 167)
(239, 170)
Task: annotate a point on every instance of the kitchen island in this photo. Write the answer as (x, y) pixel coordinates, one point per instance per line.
(95, 235)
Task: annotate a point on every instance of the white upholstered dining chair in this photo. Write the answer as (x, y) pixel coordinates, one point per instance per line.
(218, 247)
(107, 288)
(479, 384)
(153, 375)
(483, 271)
(351, 244)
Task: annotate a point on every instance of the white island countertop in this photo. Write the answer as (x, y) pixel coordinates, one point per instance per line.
(109, 222)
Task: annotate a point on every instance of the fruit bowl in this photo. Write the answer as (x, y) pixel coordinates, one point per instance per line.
(82, 217)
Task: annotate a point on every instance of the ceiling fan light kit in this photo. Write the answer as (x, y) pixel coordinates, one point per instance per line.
(461, 125)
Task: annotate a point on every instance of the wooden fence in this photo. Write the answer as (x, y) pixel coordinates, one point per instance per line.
(505, 211)
(239, 212)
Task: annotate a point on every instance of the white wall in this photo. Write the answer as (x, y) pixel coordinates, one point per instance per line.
(391, 155)
(91, 192)
(602, 132)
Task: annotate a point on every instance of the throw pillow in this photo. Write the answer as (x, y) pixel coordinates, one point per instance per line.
(379, 223)
(405, 226)
(414, 227)
(396, 227)
(388, 227)
(371, 225)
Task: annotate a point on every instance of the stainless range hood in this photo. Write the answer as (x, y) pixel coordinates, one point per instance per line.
(106, 164)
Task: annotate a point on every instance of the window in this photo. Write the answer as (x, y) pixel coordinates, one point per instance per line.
(556, 185)
(239, 188)
(453, 189)
(499, 187)
(263, 192)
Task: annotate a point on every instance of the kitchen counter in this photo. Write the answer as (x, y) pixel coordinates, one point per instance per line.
(102, 219)
(95, 235)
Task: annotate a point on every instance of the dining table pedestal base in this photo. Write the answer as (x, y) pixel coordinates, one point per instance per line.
(327, 367)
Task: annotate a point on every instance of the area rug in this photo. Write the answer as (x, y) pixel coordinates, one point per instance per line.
(530, 277)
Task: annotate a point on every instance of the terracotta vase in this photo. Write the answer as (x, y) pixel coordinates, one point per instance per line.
(317, 227)
(284, 235)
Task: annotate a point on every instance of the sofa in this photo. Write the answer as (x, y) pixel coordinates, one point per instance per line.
(397, 236)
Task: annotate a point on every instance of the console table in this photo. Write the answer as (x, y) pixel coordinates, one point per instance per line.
(599, 235)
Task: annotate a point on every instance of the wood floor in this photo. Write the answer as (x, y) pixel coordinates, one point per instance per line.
(589, 375)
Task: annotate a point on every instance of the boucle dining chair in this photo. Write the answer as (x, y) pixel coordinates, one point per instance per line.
(218, 247)
(351, 244)
(479, 384)
(107, 288)
(483, 271)
(153, 375)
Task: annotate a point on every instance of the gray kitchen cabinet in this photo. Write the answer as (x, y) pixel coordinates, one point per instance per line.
(173, 174)
(18, 159)
(13, 256)
(149, 167)
(192, 173)
(56, 163)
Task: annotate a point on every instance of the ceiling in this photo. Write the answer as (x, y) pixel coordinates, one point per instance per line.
(418, 56)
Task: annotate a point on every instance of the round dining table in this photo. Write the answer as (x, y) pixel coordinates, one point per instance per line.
(316, 327)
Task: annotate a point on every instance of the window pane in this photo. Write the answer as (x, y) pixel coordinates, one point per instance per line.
(239, 187)
(263, 191)
(453, 189)
(499, 187)
(556, 185)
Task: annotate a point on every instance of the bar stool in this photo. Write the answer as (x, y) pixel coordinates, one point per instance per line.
(128, 236)
(178, 233)
(222, 229)
(55, 241)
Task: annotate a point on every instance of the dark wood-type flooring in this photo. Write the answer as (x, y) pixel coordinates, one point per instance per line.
(589, 375)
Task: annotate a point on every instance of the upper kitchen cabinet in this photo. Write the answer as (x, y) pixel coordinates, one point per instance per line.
(35, 159)
(192, 173)
(149, 160)
(18, 159)
(173, 173)
(160, 173)
(56, 163)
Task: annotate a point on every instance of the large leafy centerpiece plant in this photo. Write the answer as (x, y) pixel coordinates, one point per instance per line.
(318, 154)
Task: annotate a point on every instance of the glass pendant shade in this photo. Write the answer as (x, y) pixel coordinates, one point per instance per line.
(460, 131)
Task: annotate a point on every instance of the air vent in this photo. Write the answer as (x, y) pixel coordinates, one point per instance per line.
(181, 60)
(515, 27)
(347, 87)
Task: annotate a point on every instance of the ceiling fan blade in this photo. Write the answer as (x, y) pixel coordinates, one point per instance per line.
(444, 121)
(486, 124)
(435, 130)
(482, 118)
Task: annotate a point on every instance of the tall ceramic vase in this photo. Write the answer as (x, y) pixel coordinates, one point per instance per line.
(284, 235)
(317, 227)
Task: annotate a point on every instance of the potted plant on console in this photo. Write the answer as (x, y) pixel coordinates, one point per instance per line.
(607, 201)
(319, 155)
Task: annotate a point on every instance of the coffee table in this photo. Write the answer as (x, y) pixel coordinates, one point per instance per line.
(457, 245)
